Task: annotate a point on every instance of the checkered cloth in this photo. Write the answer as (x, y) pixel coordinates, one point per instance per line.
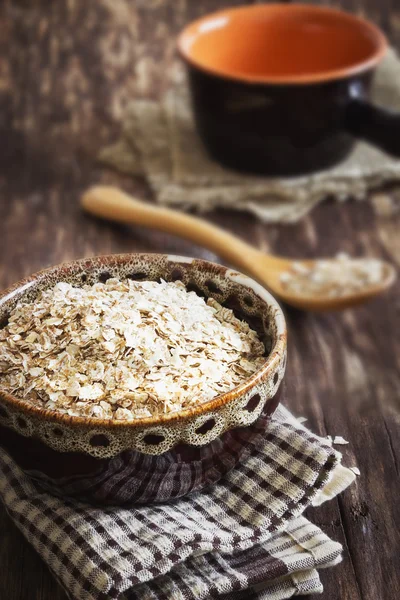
(244, 537)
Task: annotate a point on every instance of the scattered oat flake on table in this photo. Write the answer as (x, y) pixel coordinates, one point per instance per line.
(124, 349)
(302, 419)
(340, 441)
(355, 470)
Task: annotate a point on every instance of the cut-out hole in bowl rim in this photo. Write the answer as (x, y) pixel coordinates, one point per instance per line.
(4, 321)
(99, 440)
(248, 300)
(176, 275)
(206, 427)
(21, 422)
(139, 276)
(153, 439)
(253, 402)
(213, 287)
(193, 287)
(3, 413)
(104, 276)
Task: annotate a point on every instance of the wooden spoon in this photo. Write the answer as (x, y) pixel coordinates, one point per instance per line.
(115, 205)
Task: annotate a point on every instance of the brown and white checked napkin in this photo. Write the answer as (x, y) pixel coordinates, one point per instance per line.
(159, 141)
(245, 537)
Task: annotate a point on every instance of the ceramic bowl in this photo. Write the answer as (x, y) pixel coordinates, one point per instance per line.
(127, 461)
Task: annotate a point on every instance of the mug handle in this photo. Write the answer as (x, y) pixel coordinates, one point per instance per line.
(377, 125)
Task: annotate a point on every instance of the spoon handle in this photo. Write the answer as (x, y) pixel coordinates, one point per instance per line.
(115, 205)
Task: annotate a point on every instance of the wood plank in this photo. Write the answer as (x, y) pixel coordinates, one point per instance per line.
(24, 575)
(68, 71)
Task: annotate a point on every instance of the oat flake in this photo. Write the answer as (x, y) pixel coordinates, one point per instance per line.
(355, 470)
(340, 441)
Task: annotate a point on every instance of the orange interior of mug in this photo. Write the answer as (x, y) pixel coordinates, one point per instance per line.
(279, 43)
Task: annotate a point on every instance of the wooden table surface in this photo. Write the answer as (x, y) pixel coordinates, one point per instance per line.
(67, 70)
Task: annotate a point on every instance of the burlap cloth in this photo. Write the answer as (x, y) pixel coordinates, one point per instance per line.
(159, 141)
(244, 537)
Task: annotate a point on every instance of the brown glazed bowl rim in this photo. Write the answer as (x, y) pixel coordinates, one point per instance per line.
(276, 352)
(308, 79)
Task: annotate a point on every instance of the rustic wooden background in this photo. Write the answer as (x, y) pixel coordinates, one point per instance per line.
(67, 70)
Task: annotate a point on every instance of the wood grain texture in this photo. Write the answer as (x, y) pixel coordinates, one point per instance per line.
(67, 71)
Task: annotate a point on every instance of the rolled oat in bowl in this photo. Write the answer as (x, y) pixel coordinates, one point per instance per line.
(124, 349)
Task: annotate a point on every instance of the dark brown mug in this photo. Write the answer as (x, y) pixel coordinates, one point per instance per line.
(283, 89)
